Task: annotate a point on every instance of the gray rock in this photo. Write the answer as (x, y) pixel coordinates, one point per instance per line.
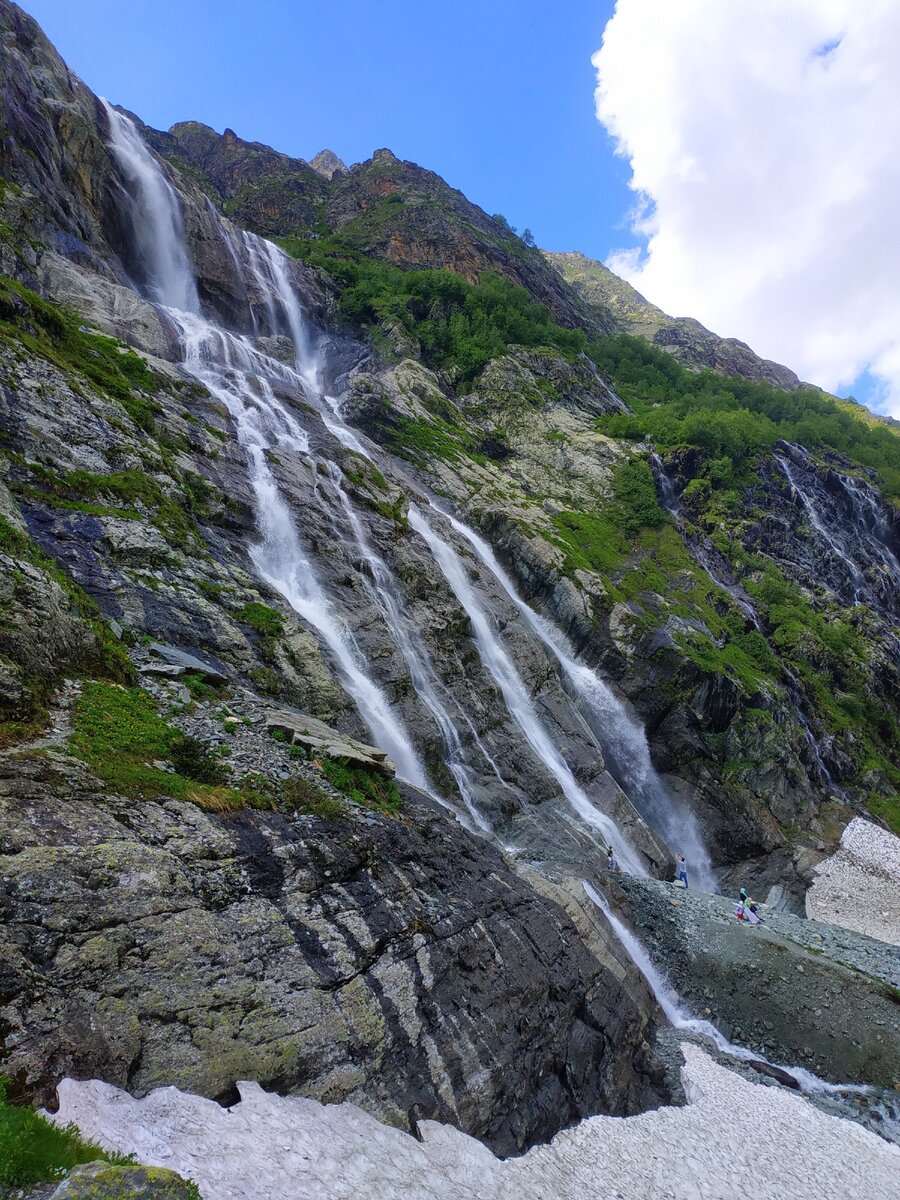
(398, 964)
(172, 656)
(317, 737)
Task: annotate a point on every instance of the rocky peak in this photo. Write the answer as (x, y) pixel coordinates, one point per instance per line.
(385, 156)
(327, 163)
(230, 138)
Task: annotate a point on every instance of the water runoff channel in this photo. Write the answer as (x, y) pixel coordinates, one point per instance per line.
(246, 381)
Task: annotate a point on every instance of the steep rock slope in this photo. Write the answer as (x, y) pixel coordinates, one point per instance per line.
(388, 209)
(399, 964)
(684, 338)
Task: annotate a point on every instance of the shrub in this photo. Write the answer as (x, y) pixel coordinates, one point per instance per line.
(194, 759)
(369, 788)
(301, 794)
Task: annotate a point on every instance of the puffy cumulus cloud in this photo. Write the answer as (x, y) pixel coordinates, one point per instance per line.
(764, 142)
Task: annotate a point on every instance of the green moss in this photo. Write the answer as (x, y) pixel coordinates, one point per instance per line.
(369, 788)
(266, 621)
(33, 1150)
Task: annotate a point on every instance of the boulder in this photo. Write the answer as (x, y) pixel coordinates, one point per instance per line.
(100, 1181)
(302, 730)
(189, 662)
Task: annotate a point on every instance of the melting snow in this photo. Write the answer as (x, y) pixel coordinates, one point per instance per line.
(733, 1139)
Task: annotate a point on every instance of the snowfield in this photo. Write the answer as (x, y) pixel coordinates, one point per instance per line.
(859, 886)
(733, 1139)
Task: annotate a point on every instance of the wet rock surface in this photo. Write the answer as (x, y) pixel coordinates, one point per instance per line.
(398, 963)
(797, 991)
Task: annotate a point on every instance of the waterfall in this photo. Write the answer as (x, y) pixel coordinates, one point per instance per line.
(681, 1018)
(385, 595)
(236, 374)
(518, 702)
(155, 217)
(246, 381)
(837, 548)
(622, 739)
(241, 377)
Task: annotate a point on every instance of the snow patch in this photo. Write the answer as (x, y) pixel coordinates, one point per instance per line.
(734, 1138)
(859, 886)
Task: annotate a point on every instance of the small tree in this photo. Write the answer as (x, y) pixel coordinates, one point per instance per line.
(528, 238)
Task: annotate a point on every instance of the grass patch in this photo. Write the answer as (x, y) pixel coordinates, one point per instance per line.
(369, 788)
(33, 1150)
(119, 733)
(266, 621)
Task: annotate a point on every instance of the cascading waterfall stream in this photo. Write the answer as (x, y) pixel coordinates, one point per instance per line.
(263, 424)
(679, 1016)
(623, 740)
(518, 702)
(838, 549)
(245, 380)
(384, 593)
(155, 216)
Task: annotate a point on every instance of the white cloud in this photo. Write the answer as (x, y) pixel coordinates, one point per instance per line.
(764, 141)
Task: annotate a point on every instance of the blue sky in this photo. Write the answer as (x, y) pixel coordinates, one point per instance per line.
(497, 96)
(494, 95)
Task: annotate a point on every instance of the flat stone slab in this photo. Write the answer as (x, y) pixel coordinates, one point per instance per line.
(163, 670)
(188, 662)
(314, 735)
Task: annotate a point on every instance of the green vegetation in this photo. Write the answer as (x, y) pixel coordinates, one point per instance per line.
(268, 622)
(120, 734)
(300, 794)
(458, 325)
(56, 334)
(731, 420)
(78, 490)
(369, 788)
(33, 1150)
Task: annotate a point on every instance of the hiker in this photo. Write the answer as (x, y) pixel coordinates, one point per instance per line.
(753, 914)
(611, 863)
(739, 910)
(681, 869)
(742, 896)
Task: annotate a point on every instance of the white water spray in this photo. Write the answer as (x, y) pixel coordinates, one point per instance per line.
(622, 738)
(518, 702)
(155, 215)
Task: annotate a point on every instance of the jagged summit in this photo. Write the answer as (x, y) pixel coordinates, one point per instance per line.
(683, 337)
(327, 163)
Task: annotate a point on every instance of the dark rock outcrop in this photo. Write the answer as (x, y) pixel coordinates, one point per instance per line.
(398, 964)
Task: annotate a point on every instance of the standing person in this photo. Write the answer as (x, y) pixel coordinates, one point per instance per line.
(681, 869)
(611, 860)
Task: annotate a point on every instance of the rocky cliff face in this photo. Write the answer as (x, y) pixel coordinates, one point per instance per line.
(747, 628)
(364, 959)
(684, 338)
